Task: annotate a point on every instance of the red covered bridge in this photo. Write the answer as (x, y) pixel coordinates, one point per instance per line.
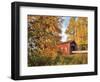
(66, 48)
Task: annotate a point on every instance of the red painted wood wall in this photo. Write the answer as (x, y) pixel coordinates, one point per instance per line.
(65, 49)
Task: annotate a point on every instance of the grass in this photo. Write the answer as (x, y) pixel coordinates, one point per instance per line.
(76, 59)
(72, 59)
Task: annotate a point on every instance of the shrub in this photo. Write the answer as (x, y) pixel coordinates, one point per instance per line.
(74, 59)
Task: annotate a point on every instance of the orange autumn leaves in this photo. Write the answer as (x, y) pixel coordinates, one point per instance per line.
(44, 30)
(43, 38)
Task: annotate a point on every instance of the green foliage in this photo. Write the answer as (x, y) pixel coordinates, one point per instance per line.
(37, 60)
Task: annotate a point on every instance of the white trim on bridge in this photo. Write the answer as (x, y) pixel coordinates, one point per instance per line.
(74, 52)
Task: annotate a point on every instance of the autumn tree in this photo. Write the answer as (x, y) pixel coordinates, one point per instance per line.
(43, 35)
(70, 31)
(82, 32)
(77, 31)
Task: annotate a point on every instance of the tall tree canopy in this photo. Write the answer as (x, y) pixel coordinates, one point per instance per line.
(43, 35)
(82, 30)
(77, 30)
(70, 31)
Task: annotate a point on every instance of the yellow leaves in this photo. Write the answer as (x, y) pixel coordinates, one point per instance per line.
(47, 30)
(78, 30)
(82, 30)
(50, 52)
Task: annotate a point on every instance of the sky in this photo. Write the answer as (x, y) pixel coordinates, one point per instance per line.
(64, 27)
